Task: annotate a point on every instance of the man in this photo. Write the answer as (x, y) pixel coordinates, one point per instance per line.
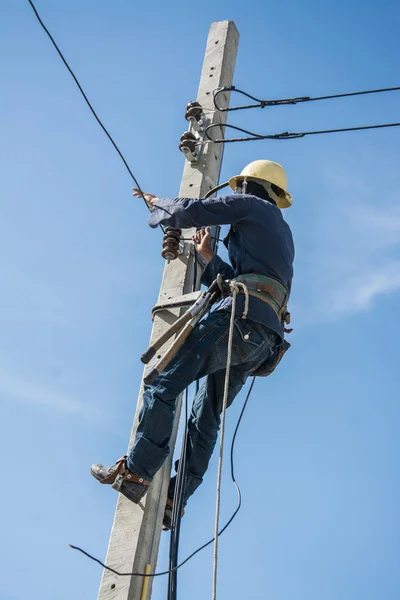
(261, 252)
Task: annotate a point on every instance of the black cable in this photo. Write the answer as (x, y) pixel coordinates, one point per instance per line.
(213, 190)
(87, 100)
(217, 187)
(239, 493)
(295, 135)
(179, 490)
(218, 229)
(263, 103)
(207, 543)
(286, 135)
(180, 482)
(181, 475)
(254, 136)
(195, 258)
(348, 94)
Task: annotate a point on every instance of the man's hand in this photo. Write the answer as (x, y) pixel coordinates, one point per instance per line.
(202, 242)
(150, 199)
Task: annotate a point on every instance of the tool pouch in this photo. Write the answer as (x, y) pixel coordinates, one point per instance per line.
(273, 361)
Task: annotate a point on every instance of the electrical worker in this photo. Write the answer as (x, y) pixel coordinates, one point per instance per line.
(261, 253)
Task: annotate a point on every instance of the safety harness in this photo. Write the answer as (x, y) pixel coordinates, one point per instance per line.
(275, 294)
(268, 290)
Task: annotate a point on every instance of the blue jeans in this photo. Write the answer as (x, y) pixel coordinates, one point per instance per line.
(204, 354)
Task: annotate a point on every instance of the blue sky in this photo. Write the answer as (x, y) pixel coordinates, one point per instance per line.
(317, 454)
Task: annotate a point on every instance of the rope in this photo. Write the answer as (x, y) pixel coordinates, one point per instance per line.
(237, 285)
(235, 288)
(239, 504)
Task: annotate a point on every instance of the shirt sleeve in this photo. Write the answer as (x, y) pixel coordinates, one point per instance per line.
(215, 266)
(198, 212)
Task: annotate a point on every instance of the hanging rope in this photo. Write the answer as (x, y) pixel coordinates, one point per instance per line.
(235, 288)
(227, 524)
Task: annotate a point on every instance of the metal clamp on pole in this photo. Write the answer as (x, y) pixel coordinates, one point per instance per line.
(177, 302)
(186, 323)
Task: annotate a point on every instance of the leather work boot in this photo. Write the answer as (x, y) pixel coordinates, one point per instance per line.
(167, 520)
(130, 485)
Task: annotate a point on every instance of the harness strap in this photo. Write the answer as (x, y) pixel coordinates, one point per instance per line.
(268, 290)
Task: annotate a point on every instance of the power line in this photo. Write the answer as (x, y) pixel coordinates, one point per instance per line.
(86, 99)
(285, 135)
(263, 103)
(239, 504)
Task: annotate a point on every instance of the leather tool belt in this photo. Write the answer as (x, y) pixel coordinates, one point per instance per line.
(275, 294)
(270, 291)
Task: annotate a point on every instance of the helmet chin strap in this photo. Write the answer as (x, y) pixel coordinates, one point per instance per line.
(271, 193)
(266, 185)
(243, 187)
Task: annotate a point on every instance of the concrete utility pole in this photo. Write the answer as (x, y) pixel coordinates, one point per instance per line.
(135, 534)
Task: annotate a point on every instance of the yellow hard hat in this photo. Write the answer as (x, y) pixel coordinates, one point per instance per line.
(262, 171)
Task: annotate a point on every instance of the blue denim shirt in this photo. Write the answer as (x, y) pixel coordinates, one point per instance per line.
(259, 241)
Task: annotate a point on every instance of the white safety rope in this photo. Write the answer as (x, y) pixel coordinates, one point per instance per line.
(235, 288)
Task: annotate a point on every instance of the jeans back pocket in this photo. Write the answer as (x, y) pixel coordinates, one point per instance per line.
(247, 343)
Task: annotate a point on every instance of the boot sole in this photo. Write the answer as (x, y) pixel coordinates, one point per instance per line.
(133, 491)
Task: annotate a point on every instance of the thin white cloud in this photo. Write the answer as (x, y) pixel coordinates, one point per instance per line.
(364, 289)
(381, 283)
(368, 238)
(21, 390)
(354, 248)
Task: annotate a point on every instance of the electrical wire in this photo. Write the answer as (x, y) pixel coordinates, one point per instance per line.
(180, 483)
(87, 100)
(286, 135)
(263, 103)
(181, 475)
(217, 187)
(239, 504)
